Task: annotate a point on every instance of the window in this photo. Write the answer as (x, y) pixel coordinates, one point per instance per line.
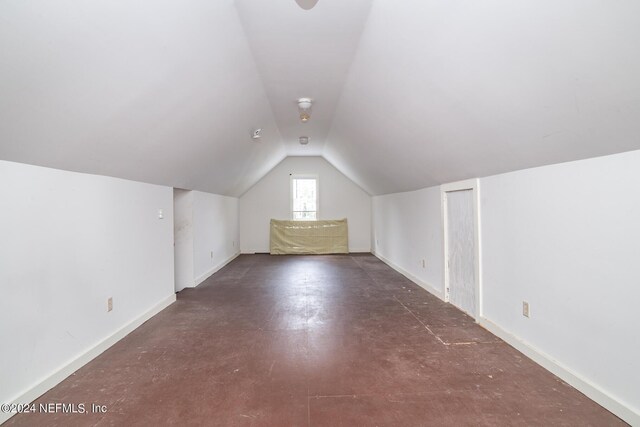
(304, 198)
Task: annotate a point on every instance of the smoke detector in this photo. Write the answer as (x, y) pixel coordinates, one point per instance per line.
(256, 134)
(304, 140)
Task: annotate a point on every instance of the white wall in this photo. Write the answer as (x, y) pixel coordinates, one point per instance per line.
(183, 238)
(269, 198)
(565, 238)
(215, 233)
(207, 235)
(407, 230)
(68, 242)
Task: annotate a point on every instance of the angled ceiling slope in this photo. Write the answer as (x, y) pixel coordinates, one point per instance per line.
(407, 94)
(160, 92)
(446, 90)
(303, 53)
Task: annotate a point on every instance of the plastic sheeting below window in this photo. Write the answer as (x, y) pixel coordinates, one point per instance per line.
(309, 237)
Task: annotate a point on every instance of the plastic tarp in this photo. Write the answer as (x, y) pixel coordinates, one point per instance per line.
(309, 237)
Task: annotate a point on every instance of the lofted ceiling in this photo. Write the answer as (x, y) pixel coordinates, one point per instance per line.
(406, 94)
(158, 91)
(303, 53)
(441, 91)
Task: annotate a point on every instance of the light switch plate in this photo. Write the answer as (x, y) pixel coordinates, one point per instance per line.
(525, 309)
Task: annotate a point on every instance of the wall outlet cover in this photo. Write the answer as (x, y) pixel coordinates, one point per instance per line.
(525, 309)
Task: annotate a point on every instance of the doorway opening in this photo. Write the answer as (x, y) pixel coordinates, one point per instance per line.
(183, 238)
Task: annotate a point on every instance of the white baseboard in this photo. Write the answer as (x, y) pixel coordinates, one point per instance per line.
(605, 399)
(76, 363)
(209, 273)
(595, 393)
(427, 286)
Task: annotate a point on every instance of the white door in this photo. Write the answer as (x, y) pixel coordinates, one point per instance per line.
(461, 250)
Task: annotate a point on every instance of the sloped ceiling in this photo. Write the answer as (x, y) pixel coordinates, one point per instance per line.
(407, 94)
(300, 54)
(165, 92)
(441, 91)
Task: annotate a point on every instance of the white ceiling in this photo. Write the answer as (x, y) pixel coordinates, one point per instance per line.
(303, 53)
(165, 92)
(407, 94)
(441, 91)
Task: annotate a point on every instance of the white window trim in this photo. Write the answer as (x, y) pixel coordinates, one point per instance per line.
(304, 176)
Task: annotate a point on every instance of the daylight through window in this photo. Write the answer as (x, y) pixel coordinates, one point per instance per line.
(304, 195)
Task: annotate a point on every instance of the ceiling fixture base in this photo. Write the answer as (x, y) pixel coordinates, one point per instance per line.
(304, 106)
(306, 4)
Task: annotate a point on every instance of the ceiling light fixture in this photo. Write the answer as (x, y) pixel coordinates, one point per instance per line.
(304, 140)
(306, 4)
(304, 106)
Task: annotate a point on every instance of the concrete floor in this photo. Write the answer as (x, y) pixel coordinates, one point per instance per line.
(315, 341)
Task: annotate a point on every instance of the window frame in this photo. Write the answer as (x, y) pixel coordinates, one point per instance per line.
(293, 177)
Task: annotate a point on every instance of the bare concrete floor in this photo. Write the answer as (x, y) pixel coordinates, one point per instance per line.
(315, 341)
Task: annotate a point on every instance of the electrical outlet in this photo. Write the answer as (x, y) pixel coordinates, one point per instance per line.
(233, 243)
(525, 309)
(424, 263)
(160, 214)
(109, 304)
(211, 254)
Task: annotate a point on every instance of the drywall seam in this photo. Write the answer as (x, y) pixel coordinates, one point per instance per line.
(210, 273)
(427, 286)
(592, 391)
(73, 365)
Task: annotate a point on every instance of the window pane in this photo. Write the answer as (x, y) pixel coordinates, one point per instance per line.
(304, 198)
(304, 205)
(304, 188)
(305, 216)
